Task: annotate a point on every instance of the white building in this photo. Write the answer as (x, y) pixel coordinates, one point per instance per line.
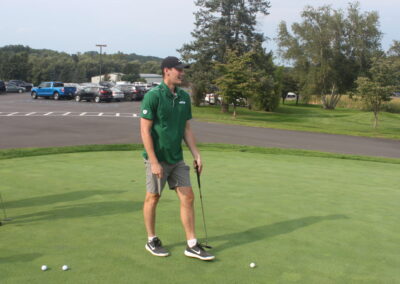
(151, 78)
(116, 77)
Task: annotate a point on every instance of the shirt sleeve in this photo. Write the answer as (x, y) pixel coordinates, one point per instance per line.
(149, 104)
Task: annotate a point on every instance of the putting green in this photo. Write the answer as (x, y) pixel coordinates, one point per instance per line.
(300, 219)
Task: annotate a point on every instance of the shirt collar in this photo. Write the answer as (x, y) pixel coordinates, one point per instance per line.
(168, 91)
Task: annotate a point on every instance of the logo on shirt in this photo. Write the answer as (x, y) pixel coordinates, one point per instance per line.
(145, 111)
(182, 102)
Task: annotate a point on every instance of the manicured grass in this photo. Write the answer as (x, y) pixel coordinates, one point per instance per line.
(304, 219)
(308, 118)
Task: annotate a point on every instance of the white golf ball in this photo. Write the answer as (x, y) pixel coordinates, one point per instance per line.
(252, 265)
(44, 267)
(65, 267)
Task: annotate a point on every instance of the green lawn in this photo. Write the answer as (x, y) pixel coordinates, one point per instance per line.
(309, 118)
(302, 218)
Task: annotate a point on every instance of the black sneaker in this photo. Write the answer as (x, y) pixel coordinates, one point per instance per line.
(155, 247)
(198, 252)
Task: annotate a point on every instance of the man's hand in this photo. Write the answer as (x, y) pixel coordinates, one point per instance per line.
(157, 170)
(197, 164)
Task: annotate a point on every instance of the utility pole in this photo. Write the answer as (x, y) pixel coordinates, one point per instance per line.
(101, 46)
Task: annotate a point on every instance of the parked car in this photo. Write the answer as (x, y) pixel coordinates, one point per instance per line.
(2, 86)
(133, 92)
(212, 99)
(141, 90)
(291, 96)
(128, 94)
(55, 90)
(28, 86)
(107, 84)
(117, 94)
(11, 88)
(122, 83)
(96, 94)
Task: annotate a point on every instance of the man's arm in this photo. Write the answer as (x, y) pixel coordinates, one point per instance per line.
(191, 143)
(145, 131)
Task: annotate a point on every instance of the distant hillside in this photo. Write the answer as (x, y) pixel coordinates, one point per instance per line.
(36, 65)
(46, 52)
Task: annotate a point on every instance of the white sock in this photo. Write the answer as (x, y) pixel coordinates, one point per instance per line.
(151, 238)
(191, 243)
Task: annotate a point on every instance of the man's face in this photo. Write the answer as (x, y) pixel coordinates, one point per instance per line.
(174, 75)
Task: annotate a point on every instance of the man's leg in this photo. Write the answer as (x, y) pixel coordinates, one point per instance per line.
(149, 213)
(186, 198)
(153, 245)
(196, 250)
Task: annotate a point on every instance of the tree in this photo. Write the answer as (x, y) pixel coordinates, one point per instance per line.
(373, 95)
(235, 80)
(394, 50)
(286, 82)
(151, 67)
(36, 65)
(244, 78)
(330, 49)
(14, 66)
(375, 90)
(363, 38)
(220, 25)
(132, 67)
(130, 77)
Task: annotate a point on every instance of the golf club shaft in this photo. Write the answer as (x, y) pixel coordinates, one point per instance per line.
(201, 202)
(204, 219)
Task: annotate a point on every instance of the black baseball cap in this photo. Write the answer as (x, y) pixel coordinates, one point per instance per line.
(173, 62)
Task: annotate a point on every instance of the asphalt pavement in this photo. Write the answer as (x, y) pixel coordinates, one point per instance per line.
(25, 122)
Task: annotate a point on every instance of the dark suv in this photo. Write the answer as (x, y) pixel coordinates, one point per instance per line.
(96, 94)
(2, 86)
(132, 92)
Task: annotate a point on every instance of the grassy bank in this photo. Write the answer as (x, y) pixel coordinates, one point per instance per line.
(308, 118)
(31, 152)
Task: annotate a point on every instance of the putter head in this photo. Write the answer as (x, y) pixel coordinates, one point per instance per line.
(206, 246)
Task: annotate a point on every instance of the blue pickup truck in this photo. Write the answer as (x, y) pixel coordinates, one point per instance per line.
(55, 90)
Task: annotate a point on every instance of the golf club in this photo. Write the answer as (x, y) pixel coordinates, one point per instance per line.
(159, 185)
(202, 206)
(4, 210)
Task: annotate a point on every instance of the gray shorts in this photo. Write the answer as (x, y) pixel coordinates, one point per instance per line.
(177, 175)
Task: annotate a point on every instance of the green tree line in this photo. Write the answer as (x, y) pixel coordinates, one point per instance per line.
(326, 53)
(37, 65)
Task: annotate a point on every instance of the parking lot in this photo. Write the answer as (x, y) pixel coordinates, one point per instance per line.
(43, 123)
(25, 122)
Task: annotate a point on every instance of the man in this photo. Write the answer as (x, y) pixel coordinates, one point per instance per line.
(164, 123)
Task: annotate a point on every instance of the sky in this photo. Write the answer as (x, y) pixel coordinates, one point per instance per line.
(150, 27)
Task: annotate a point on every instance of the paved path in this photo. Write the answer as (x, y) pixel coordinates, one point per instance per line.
(266, 137)
(44, 123)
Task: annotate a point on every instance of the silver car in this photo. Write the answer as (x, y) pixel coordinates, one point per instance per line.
(117, 94)
(11, 88)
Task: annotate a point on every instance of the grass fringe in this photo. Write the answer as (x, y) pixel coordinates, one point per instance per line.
(31, 152)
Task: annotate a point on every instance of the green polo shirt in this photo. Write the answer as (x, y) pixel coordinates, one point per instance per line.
(169, 114)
